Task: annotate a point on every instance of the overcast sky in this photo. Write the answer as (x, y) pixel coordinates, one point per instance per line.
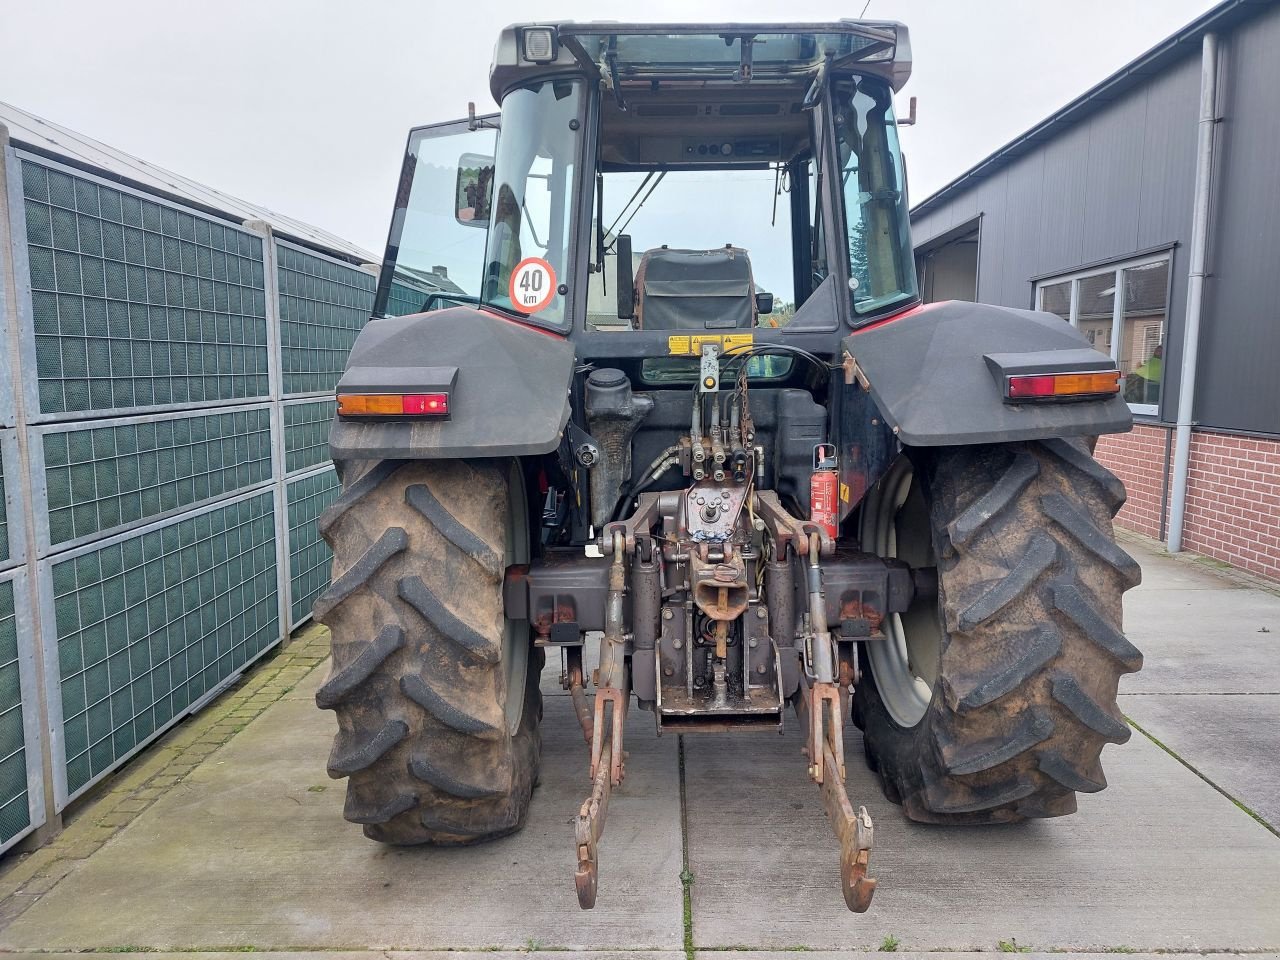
(303, 106)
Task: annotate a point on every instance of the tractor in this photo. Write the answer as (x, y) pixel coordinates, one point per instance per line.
(649, 386)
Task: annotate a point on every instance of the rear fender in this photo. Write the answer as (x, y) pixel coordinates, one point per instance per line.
(509, 395)
(929, 374)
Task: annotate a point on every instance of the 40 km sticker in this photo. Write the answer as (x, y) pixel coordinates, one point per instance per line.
(533, 284)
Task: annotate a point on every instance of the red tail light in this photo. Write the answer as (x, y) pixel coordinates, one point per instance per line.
(1063, 386)
(393, 404)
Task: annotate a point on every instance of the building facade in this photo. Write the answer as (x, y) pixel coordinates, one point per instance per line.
(1091, 215)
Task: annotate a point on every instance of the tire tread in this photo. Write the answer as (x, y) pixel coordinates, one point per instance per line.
(1030, 586)
(417, 679)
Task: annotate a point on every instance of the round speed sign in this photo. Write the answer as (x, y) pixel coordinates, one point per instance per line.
(533, 284)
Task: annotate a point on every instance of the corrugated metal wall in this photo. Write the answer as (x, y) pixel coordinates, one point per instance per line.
(1113, 184)
(166, 448)
(1240, 337)
(1120, 181)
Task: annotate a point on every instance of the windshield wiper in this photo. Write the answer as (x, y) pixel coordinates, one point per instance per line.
(642, 202)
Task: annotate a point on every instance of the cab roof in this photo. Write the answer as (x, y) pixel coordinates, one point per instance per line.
(711, 53)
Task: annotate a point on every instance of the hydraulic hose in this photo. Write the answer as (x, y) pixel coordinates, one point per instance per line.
(667, 459)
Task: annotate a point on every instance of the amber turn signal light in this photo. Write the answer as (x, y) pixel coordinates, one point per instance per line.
(1063, 386)
(393, 404)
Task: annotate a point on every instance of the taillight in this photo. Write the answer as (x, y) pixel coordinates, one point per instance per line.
(1062, 386)
(393, 404)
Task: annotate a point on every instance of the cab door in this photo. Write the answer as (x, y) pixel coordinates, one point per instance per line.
(435, 248)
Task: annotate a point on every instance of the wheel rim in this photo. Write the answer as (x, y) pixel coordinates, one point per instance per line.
(515, 633)
(904, 665)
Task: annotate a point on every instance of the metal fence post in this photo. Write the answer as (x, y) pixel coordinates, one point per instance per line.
(35, 693)
(275, 357)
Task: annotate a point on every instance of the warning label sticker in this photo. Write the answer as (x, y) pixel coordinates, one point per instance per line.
(532, 286)
(690, 345)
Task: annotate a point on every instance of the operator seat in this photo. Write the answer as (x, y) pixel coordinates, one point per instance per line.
(695, 290)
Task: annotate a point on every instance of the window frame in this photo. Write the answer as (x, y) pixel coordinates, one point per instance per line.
(1116, 269)
(578, 208)
(404, 188)
(838, 199)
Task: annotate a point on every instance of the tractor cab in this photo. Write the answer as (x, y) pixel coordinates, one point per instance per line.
(644, 180)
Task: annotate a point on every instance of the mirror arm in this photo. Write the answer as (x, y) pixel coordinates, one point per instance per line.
(478, 123)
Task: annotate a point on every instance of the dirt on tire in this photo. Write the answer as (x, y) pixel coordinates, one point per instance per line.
(430, 748)
(1030, 586)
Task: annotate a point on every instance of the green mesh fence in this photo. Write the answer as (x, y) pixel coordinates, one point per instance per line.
(107, 477)
(149, 625)
(403, 299)
(309, 555)
(323, 305)
(306, 433)
(136, 303)
(15, 812)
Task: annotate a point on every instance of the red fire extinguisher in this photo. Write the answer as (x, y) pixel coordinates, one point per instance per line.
(824, 507)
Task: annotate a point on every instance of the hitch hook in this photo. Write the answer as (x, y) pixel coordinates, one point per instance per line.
(854, 831)
(607, 755)
(607, 771)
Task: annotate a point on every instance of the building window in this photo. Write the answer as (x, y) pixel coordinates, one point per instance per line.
(1121, 309)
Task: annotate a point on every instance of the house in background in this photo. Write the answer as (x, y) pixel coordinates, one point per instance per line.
(1089, 215)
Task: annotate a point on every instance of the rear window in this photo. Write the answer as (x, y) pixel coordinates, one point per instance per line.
(660, 370)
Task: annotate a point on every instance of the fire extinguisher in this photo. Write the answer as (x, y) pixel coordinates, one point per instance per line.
(824, 509)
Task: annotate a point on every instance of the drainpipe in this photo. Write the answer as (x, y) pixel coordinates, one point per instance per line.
(1195, 285)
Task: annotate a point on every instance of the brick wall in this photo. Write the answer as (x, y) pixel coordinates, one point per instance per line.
(1233, 493)
(1137, 458)
(1233, 501)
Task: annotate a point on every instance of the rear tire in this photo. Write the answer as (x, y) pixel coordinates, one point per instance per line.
(1011, 690)
(435, 691)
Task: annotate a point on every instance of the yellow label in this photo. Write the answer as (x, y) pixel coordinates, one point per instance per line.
(700, 340)
(844, 493)
(691, 345)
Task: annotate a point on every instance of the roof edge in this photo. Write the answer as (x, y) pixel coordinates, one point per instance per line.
(1228, 13)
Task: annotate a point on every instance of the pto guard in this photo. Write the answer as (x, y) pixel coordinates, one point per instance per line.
(508, 393)
(930, 375)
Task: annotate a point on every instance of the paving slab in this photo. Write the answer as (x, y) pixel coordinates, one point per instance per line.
(1159, 861)
(1199, 630)
(626, 955)
(306, 687)
(943, 955)
(394, 955)
(1234, 741)
(251, 851)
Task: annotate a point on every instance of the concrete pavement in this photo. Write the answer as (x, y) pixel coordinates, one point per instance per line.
(229, 837)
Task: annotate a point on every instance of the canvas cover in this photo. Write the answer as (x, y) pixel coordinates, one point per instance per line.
(695, 290)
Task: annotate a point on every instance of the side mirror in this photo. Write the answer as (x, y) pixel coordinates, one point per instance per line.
(764, 303)
(625, 284)
(474, 191)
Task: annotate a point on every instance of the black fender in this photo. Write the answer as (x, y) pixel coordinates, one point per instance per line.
(508, 387)
(935, 373)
